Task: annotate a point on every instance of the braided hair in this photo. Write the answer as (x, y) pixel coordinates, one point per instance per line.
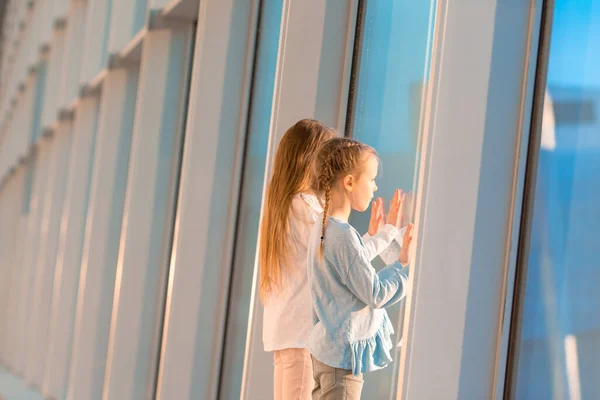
(336, 158)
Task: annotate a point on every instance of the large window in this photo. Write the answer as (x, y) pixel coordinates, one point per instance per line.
(390, 46)
(393, 70)
(137, 276)
(560, 339)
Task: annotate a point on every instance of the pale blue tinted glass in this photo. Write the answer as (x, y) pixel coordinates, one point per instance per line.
(393, 71)
(141, 9)
(560, 341)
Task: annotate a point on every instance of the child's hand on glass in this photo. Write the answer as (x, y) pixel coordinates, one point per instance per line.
(396, 214)
(407, 205)
(377, 216)
(404, 256)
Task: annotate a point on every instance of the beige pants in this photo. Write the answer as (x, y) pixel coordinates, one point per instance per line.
(335, 383)
(293, 374)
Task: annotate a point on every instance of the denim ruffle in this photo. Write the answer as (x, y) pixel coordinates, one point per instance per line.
(373, 353)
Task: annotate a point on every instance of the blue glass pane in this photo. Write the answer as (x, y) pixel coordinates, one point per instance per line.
(393, 72)
(560, 341)
(140, 10)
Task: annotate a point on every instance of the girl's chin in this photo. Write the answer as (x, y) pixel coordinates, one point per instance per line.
(362, 209)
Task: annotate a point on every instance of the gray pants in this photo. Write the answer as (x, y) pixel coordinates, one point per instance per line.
(335, 383)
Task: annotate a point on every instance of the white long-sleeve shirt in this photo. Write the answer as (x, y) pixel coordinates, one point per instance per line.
(287, 321)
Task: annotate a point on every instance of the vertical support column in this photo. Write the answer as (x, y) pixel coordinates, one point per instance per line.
(5, 268)
(25, 215)
(101, 243)
(208, 199)
(43, 154)
(10, 216)
(46, 253)
(5, 271)
(4, 129)
(10, 212)
(70, 249)
(148, 217)
(73, 54)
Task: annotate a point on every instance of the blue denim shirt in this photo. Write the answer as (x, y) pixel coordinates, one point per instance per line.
(351, 329)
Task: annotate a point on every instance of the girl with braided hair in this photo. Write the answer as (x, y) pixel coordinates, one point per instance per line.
(352, 331)
(291, 210)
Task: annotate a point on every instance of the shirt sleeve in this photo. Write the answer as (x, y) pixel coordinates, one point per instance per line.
(375, 289)
(377, 244)
(391, 253)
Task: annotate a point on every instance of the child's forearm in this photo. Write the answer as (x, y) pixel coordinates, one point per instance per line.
(377, 244)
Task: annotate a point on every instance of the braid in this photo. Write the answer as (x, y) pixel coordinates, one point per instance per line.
(336, 157)
(325, 210)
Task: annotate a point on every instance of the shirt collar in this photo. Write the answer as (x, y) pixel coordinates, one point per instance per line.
(312, 201)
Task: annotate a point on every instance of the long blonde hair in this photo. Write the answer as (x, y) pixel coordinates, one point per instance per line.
(335, 159)
(291, 175)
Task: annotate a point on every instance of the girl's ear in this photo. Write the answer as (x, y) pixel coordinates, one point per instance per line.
(348, 183)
